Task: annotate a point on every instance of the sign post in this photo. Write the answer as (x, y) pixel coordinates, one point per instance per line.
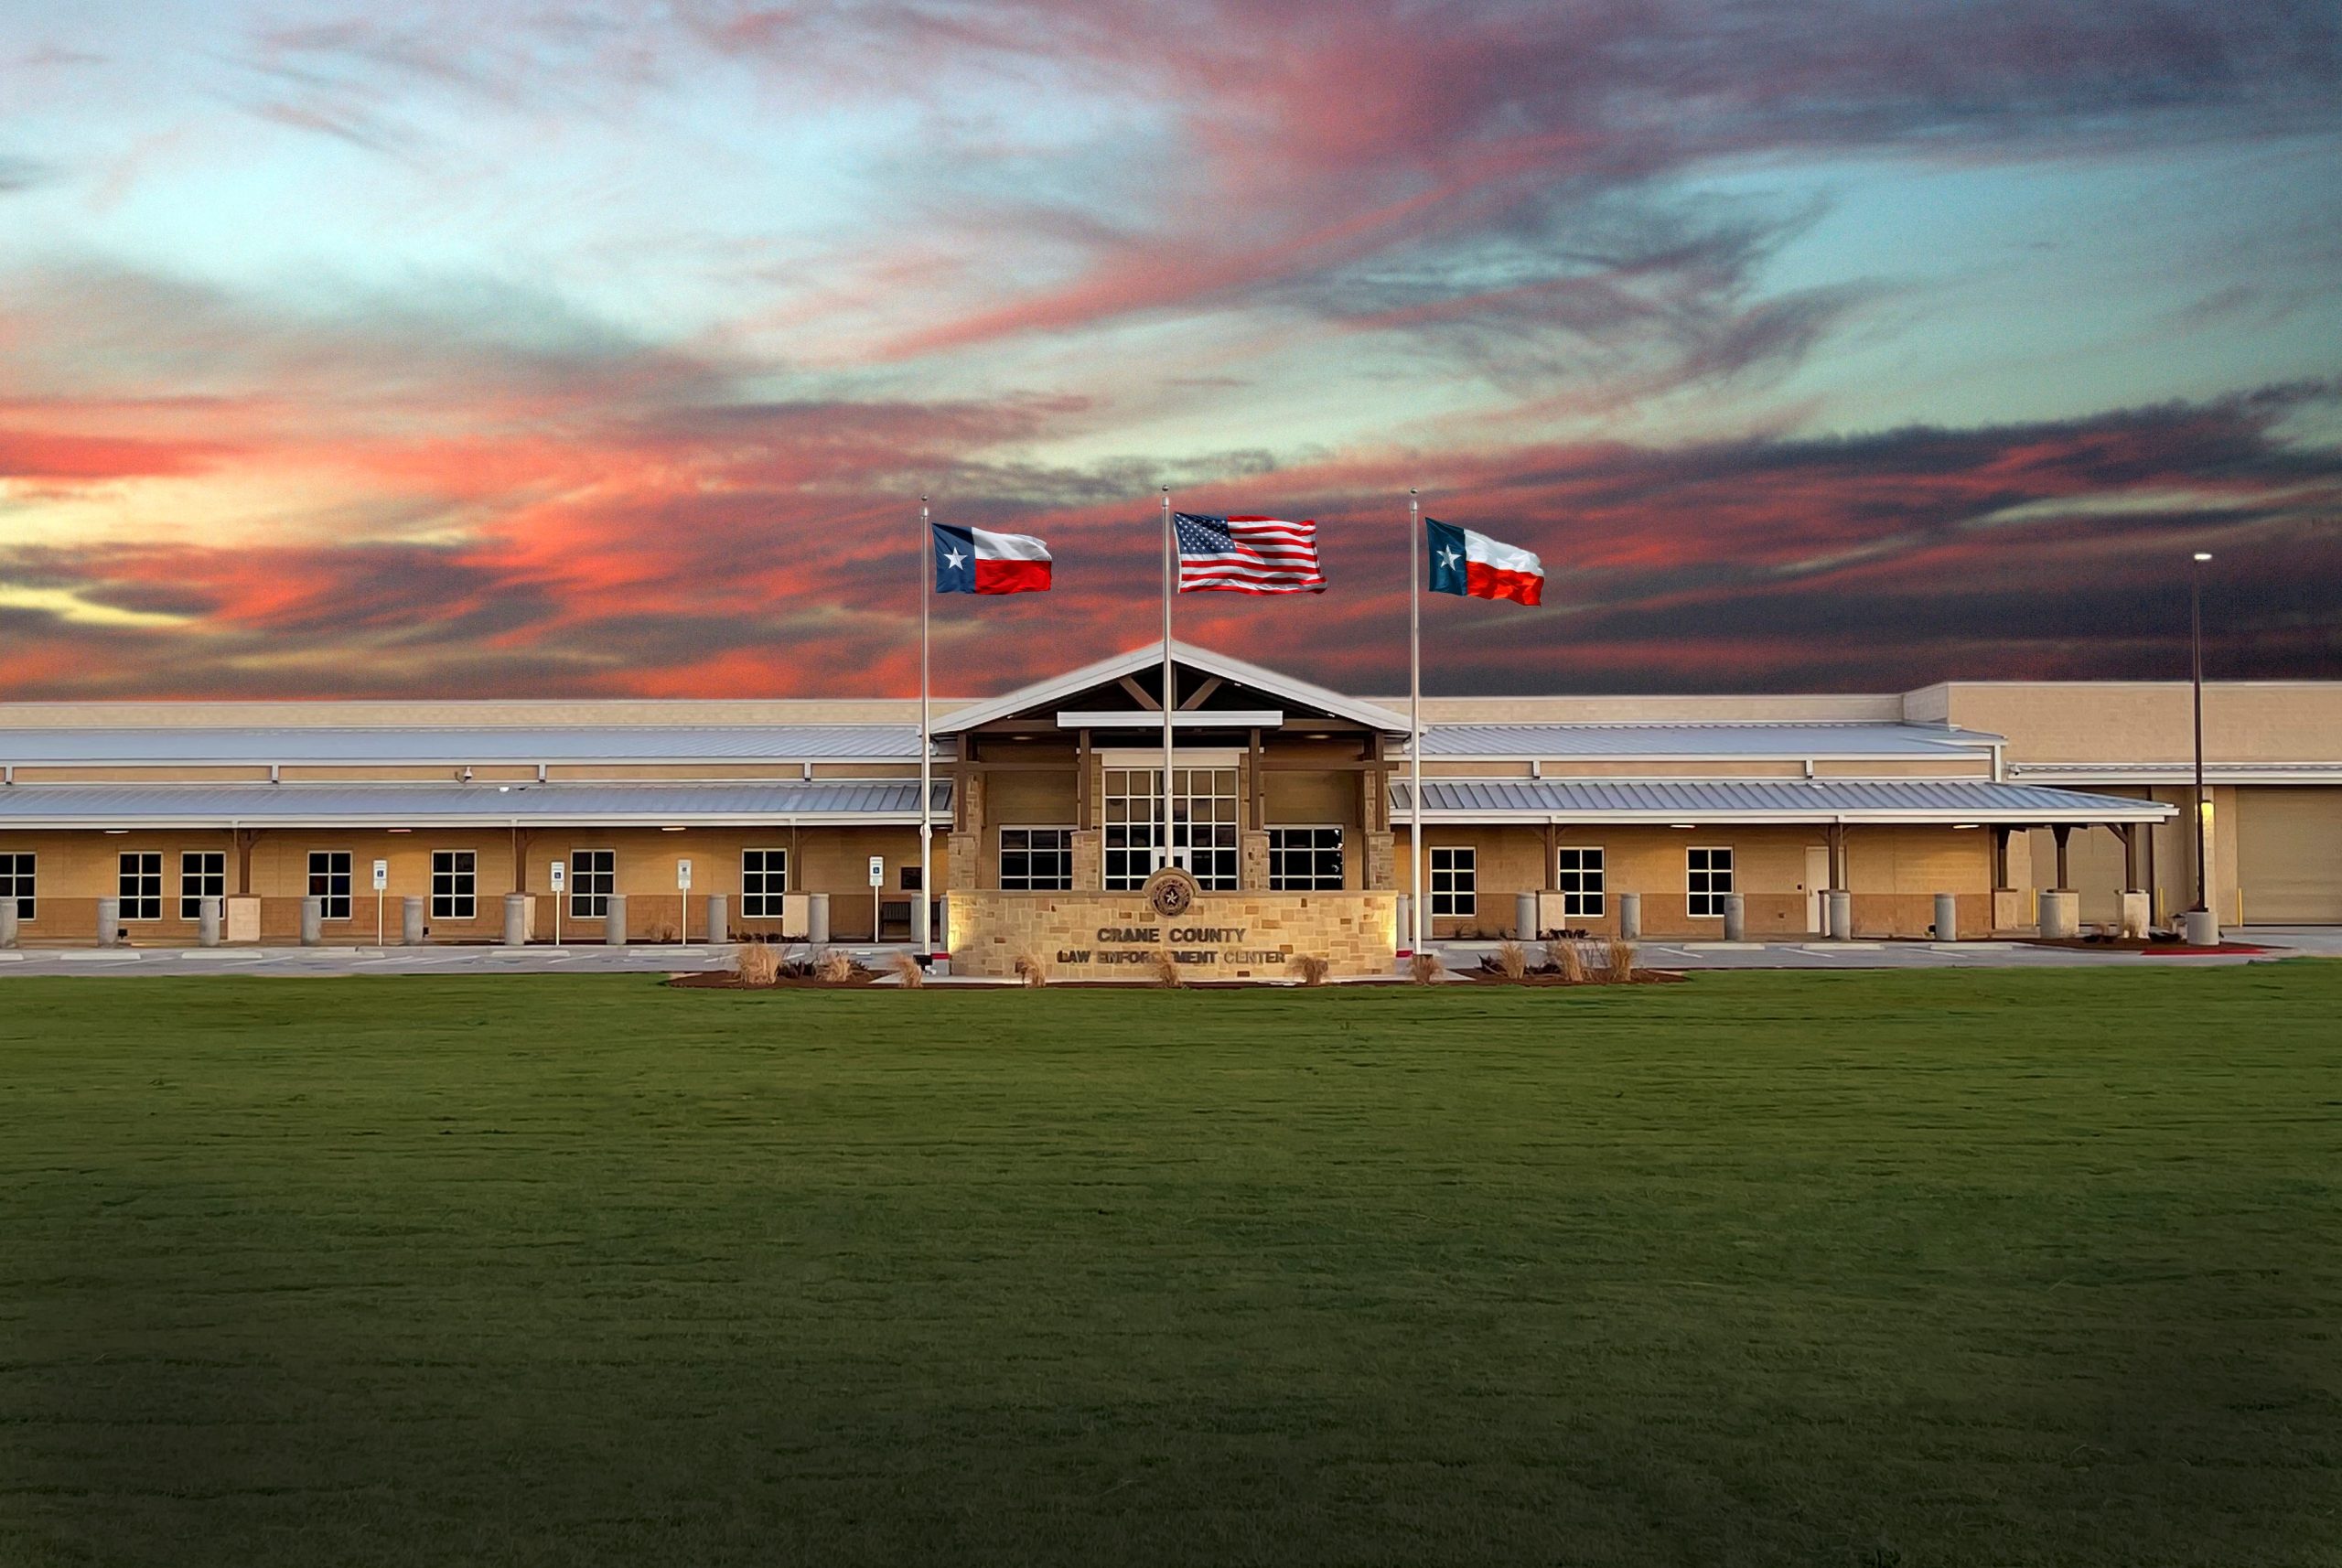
(382, 880)
(683, 886)
(877, 883)
(558, 882)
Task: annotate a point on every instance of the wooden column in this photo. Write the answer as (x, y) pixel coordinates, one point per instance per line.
(245, 838)
(1552, 859)
(1083, 803)
(1257, 805)
(2061, 832)
(522, 837)
(1837, 858)
(2132, 871)
(2001, 858)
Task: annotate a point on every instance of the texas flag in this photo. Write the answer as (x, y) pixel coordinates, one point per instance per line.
(1473, 565)
(977, 561)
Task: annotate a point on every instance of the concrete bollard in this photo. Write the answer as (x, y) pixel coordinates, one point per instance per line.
(7, 923)
(1947, 918)
(817, 919)
(411, 919)
(614, 921)
(2138, 916)
(1406, 922)
(516, 920)
(312, 922)
(109, 922)
(207, 922)
(1524, 916)
(2200, 928)
(1735, 917)
(1630, 914)
(1842, 915)
(719, 917)
(2061, 915)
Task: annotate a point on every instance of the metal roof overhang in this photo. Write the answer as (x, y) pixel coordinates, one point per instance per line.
(2178, 773)
(846, 804)
(1704, 802)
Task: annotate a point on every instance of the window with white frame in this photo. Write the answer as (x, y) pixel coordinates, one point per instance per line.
(330, 881)
(1577, 875)
(1709, 878)
(1454, 881)
(1036, 859)
(455, 883)
(593, 878)
(17, 882)
(203, 874)
(140, 886)
(1305, 860)
(764, 878)
(1203, 825)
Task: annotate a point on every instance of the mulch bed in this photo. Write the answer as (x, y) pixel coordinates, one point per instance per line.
(722, 980)
(1483, 975)
(2133, 944)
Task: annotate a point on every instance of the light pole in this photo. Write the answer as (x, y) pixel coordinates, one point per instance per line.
(2202, 927)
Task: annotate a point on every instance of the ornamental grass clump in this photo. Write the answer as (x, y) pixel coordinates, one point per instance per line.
(1424, 969)
(1619, 961)
(1031, 969)
(836, 968)
(907, 973)
(756, 965)
(1512, 959)
(1567, 960)
(1167, 973)
(1312, 969)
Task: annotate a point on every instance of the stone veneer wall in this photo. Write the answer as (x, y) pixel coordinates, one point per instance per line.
(1352, 931)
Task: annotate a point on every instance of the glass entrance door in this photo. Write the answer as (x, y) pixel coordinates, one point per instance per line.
(1201, 836)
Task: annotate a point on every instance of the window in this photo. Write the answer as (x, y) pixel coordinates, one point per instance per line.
(141, 886)
(203, 874)
(455, 883)
(1709, 880)
(764, 877)
(1455, 881)
(912, 875)
(1203, 825)
(17, 882)
(1577, 873)
(1036, 860)
(330, 881)
(1305, 860)
(593, 878)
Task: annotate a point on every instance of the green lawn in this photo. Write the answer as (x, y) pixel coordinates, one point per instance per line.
(1920, 1269)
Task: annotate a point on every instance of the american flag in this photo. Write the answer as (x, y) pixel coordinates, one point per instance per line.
(1246, 554)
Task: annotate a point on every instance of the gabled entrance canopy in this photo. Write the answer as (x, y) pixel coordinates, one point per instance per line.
(1214, 692)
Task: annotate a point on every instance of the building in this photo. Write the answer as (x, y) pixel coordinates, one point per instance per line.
(1291, 813)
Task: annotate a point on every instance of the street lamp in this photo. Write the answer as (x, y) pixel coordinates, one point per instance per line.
(2203, 928)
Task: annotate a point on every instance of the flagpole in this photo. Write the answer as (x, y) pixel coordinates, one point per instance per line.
(1415, 720)
(1170, 694)
(921, 918)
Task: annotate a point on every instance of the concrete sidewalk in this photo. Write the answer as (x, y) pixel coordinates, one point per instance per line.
(2283, 942)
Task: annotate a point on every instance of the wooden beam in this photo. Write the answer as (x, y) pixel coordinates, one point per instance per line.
(1139, 695)
(1196, 698)
(1260, 792)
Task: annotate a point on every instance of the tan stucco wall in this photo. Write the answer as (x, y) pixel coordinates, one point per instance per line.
(2118, 721)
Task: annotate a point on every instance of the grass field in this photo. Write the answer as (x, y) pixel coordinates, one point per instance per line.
(1914, 1269)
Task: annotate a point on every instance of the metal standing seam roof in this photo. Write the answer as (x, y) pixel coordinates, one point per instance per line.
(403, 805)
(455, 745)
(1736, 740)
(1781, 799)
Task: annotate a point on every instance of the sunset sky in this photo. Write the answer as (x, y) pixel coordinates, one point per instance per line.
(484, 350)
